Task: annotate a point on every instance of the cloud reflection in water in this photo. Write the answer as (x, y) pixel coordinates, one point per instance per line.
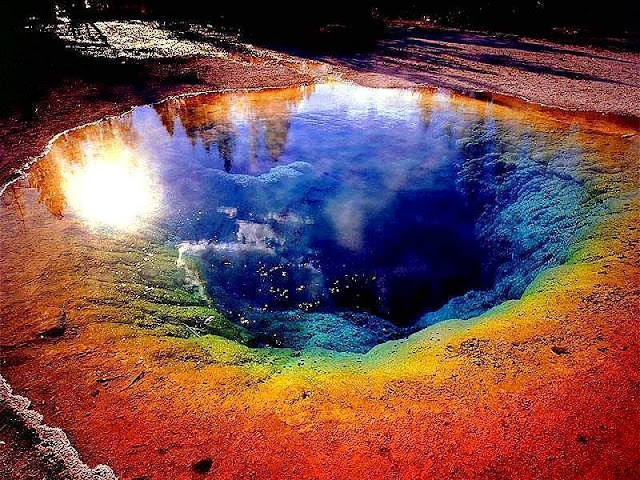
(336, 216)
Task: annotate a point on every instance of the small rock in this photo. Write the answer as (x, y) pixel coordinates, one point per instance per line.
(560, 350)
(60, 326)
(203, 466)
(54, 332)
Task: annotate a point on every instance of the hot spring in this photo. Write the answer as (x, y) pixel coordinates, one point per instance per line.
(332, 216)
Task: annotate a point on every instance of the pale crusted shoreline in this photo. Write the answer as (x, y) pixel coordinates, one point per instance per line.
(51, 445)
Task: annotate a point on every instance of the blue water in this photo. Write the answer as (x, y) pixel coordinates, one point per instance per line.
(341, 216)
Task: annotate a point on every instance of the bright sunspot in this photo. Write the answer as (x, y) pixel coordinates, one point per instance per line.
(112, 188)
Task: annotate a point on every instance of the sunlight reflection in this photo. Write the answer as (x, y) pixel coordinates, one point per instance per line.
(112, 187)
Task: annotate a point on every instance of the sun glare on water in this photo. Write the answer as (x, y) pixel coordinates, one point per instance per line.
(111, 187)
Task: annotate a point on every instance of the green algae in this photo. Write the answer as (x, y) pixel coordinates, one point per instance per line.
(156, 296)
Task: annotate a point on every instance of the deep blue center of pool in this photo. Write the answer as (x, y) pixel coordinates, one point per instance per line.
(343, 216)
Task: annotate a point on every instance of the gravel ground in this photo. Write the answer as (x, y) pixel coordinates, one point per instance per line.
(570, 77)
(135, 40)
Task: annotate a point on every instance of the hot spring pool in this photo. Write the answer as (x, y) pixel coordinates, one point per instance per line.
(332, 216)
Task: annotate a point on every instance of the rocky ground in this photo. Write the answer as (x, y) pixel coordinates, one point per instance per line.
(570, 77)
